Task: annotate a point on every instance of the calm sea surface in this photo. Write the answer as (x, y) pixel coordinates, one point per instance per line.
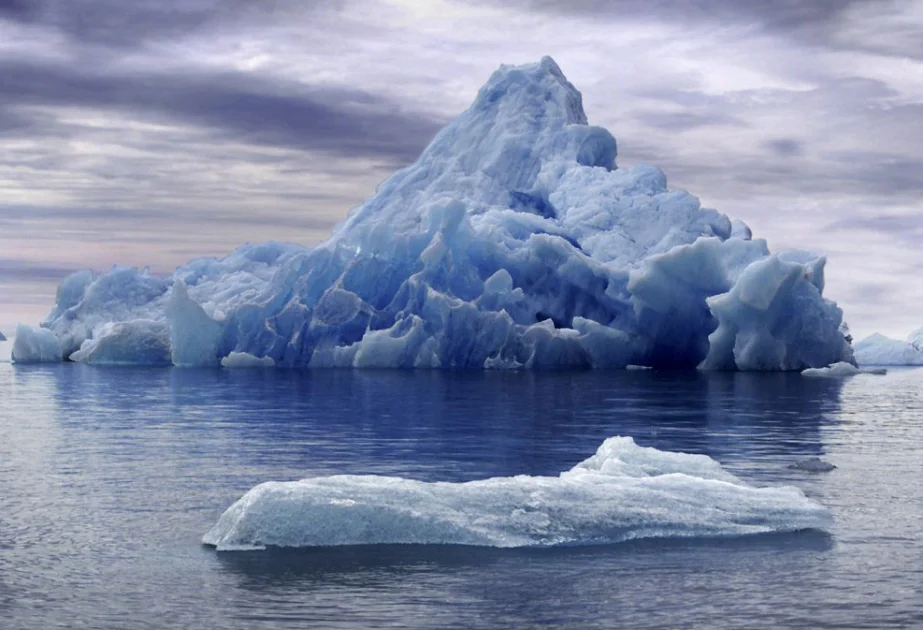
(110, 477)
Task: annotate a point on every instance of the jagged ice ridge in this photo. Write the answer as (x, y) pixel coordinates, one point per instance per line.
(514, 241)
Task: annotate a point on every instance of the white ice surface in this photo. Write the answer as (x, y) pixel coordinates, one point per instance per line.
(513, 242)
(623, 492)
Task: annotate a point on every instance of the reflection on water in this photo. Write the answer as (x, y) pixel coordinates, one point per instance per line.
(453, 425)
(109, 478)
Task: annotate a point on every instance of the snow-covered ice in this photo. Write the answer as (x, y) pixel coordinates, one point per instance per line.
(839, 370)
(514, 241)
(623, 492)
(880, 350)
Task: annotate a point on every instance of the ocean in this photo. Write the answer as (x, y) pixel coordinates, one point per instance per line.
(109, 477)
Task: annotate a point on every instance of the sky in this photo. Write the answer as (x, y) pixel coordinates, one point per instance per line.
(150, 132)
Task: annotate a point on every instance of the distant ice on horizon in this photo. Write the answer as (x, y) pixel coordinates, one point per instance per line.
(623, 492)
(513, 242)
(877, 349)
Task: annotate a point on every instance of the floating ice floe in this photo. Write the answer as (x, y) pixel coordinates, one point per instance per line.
(244, 360)
(513, 242)
(623, 492)
(838, 370)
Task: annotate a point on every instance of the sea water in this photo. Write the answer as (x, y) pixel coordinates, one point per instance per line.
(110, 477)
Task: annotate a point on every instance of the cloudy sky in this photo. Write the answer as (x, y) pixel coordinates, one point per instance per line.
(148, 132)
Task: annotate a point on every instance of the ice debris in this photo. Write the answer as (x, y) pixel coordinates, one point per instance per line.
(623, 492)
(513, 242)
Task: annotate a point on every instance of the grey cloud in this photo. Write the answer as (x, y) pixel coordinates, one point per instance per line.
(19, 10)
(770, 13)
(133, 23)
(902, 226)
(785, 147)
(14, 270)
(678, 122)
(813, 22)
(845, 137)
(347, 122)
(148, 219)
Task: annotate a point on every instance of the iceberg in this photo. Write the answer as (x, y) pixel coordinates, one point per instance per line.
(513, 242)
(880, 350)
(2, 336)
(35, 345)
(621, 493)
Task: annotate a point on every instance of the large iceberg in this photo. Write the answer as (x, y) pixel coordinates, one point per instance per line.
(512, 242)
(623, 492)
(877, 349)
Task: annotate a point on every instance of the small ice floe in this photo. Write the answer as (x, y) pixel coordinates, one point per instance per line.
(623, 492)
(639, 368)
(813, 464)
(246, 360)
(842, 369)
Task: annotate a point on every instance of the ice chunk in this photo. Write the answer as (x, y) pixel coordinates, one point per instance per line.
(35, 345)
(513, 242)
(775, 318)
(841, 369)
(2, 336)
(137, 342)
(86, 303)
(880, 350)
(246, 360)
(194, 336)
(623, 492)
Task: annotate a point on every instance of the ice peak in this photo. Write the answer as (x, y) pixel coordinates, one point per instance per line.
(524, 120)
(538, 90)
